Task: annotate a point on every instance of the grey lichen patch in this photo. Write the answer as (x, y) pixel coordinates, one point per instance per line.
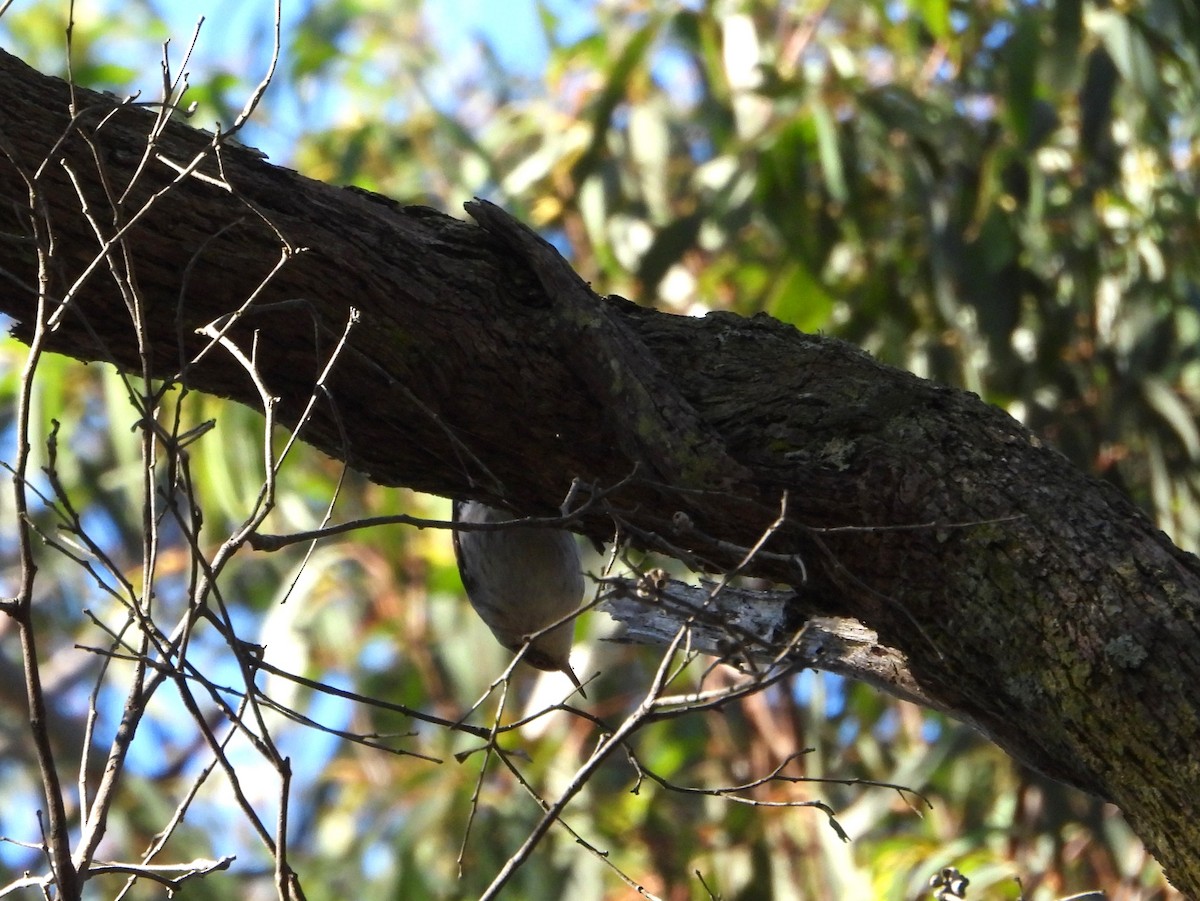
(1024, 688)
(838, 453)
(1125, 652)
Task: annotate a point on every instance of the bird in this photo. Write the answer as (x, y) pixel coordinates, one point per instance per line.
(520, 580)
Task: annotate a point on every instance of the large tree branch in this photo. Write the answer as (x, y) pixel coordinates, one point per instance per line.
(1027, 597)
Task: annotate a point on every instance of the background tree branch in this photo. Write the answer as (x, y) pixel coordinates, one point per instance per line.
(1031, 599)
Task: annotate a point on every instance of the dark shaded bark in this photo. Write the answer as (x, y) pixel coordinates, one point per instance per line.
(1031, 599)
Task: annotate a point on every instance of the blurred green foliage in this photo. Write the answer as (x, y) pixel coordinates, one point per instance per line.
(997, 195)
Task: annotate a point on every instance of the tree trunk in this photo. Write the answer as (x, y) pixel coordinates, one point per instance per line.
(1025, 596)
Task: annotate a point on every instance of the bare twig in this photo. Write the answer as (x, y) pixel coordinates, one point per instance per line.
(58, 843)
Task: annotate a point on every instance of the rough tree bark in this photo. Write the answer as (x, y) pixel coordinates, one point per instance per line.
(1031, 599)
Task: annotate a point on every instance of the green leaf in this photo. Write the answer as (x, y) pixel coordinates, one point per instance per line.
(936, 16)
(800, 299)
(1021, 57)
(830, 153)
